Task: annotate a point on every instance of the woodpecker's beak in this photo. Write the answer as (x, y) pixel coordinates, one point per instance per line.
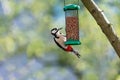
(59, 29)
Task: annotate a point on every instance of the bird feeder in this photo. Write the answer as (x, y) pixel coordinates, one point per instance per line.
(72, 22)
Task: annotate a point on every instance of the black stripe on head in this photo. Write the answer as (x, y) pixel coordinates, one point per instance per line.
(54, 29)
(55, 32)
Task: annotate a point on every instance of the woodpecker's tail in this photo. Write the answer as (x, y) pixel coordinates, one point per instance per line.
(76, 53)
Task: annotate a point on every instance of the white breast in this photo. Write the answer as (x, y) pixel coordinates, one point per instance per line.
(61, 41)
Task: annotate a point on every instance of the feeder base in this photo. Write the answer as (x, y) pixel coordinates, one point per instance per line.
(72, 42)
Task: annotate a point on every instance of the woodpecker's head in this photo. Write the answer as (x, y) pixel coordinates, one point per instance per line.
(55, 31)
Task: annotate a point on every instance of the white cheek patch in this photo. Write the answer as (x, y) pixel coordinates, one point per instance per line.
(53, 31)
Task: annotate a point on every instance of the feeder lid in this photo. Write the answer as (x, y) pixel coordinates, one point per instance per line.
(71, 7)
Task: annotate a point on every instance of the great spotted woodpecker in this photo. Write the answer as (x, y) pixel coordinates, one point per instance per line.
(60, 39)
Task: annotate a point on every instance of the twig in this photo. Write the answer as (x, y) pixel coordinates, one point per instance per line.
(104, 24)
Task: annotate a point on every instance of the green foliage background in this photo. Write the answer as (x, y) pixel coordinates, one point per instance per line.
(25, 29)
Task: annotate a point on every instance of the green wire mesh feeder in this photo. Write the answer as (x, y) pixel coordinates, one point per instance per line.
(72, 22)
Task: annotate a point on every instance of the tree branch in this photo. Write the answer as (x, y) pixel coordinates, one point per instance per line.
(104, 24)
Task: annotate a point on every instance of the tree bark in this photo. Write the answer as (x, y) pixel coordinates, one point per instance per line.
(104, 24)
